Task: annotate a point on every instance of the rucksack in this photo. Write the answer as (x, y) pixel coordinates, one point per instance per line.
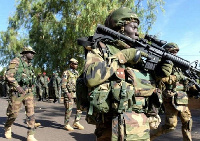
(81, 94)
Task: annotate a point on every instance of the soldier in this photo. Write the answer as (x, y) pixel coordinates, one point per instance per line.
(118, 91)
(69, 91)
(39, 82)
(175, 101)
(20, 80)
(56, 80)
(45, 88)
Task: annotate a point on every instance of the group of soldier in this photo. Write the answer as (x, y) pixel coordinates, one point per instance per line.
(124, 97)
(48, 87)
(21, 82)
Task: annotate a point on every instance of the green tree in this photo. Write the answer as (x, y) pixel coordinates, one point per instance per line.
(52, 27)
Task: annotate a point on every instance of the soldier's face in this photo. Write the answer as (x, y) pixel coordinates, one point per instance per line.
(131, 30)
(74, 66)
(29, 55)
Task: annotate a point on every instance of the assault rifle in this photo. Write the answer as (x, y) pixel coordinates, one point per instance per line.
(154, 48)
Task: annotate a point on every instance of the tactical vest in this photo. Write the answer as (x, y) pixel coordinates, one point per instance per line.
(180, 98)
(24, 74)
(71, 80)
(128, 90)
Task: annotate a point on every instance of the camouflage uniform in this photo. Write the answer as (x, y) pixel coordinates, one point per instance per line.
(56, 80)
(20, 75)
(39, 83)
(121, 91)
(175, 101)
(45, 88)
(69, 91)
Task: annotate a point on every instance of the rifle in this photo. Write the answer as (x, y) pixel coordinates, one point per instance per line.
(151, 46)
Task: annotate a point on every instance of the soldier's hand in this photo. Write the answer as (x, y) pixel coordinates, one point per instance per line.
(20, 90)
(130, 55)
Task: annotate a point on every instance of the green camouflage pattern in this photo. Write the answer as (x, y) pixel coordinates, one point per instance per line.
(120, 17)
(169, 47)
(68, 111)
(56, 85)
(144, 84)
(135, 126)
(68, 87)
(171, 115)
(175, 101)
(20, 67)
(118, 89)
(20, 73)
(180, 101)
(27, 49)
(45, 87)
(40, 82)
(69, 81)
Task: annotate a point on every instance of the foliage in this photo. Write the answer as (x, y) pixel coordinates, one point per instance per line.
(52, 27)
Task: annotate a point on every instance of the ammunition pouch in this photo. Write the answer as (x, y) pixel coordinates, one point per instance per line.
(181, 98)
(123, 96)
(98, 98)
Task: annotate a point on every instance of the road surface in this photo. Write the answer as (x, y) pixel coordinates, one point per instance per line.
(51, 116)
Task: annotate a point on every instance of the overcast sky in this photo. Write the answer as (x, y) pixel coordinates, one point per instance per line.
(180, 24)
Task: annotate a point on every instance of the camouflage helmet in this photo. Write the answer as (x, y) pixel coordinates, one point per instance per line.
(72, 60)
(171, 47)
(28, 49)
(120, 17)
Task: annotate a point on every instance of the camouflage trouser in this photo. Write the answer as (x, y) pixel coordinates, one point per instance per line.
(171, 115)
(14, 105)
(129, 126)
(56, 92)
(39, 92)
(45, 92)
(69, 103)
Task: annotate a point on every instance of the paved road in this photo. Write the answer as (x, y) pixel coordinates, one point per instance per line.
(51, 116)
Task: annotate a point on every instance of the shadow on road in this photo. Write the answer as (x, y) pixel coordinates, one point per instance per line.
(82, 137)
(48, 123)
(2, 121)
(21, 138)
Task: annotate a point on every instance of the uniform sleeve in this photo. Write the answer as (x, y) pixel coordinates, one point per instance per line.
(64, 82)
(97, 70)
(12, 69)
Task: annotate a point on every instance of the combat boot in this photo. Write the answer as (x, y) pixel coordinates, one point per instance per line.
(37, 124)
(31, 138)
(78, 125)
(55, 100)
(8, 132)
(68, 127)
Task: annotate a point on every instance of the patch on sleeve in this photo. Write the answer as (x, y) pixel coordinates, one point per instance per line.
(12, 65)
